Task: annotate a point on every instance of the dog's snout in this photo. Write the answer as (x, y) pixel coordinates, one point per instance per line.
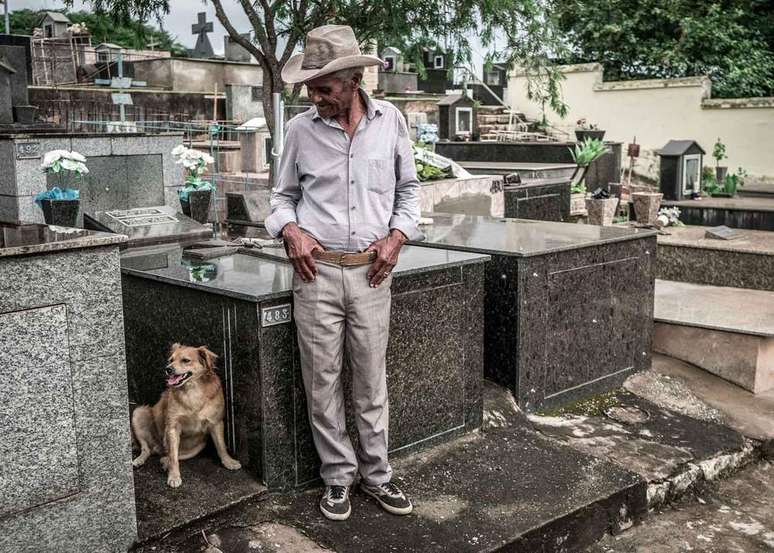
(169, 370)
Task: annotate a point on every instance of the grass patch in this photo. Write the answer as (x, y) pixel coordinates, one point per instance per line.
(594, 406)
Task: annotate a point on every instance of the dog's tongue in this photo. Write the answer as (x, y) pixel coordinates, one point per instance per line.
(174, 379)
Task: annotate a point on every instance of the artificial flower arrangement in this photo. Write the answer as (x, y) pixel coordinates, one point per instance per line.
(583, 124)
(67, 165)
(669, 216)
(195, 164)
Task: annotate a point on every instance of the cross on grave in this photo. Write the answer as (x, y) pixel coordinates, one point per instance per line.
(203, 48)
(121, 83)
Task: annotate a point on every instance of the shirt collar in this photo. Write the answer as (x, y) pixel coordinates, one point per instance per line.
(371, 108)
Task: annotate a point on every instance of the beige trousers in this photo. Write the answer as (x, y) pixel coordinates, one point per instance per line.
(337, 315)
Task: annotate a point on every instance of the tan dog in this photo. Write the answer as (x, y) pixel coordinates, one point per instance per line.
(190, 408)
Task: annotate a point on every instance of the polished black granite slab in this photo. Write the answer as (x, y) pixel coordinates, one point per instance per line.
(542, 199)
(518, 237)
(147, 225)
(35, 238)
(568, 308)
(434, 359)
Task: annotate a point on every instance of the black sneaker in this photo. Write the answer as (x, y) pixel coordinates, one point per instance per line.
(335, 504)
(389, 497)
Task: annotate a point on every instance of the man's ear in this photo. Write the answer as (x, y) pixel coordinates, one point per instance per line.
(207, 357)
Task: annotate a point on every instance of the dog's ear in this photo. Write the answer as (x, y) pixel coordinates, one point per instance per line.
(176, 346)
(208, 358)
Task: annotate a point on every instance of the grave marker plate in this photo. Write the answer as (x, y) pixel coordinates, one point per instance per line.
(122, 99)
(27, 150)
(722, 233)
(276, 315)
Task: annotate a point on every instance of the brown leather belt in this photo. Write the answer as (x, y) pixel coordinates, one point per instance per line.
(346, 259)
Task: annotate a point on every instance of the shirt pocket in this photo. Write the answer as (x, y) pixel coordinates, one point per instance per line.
(381, 175)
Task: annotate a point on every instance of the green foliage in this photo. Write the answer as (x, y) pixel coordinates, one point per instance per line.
(719, 151)
(588, 151)
(578, 188)
(732, 181)
(103, 28)
(731, 41)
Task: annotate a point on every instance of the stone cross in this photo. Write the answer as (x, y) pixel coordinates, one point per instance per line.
(203, 48)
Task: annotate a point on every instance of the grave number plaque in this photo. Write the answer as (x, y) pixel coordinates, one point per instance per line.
(276, 315)
(27, 150)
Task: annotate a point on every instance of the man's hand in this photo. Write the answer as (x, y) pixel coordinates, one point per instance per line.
(300, 247)
(387, 250)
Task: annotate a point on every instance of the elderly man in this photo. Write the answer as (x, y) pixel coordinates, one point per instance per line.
(345, 201)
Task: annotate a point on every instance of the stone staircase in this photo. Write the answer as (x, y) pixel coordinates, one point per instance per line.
(726, 331)
(493, 120)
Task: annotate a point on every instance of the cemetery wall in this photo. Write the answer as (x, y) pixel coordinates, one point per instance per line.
(93, 104)
(658, 110)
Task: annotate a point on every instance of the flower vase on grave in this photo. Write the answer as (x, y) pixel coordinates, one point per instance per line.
(601, 211)
(196, 195)
(646, 205)
(61, 204)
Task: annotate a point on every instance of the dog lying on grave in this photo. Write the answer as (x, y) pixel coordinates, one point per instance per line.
(191, 408)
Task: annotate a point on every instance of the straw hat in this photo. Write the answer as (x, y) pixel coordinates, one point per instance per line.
(329, 48)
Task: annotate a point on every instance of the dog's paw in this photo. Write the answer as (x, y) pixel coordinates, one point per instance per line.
(164, 463)
(232, 464)
(140, 461)
(174, 481)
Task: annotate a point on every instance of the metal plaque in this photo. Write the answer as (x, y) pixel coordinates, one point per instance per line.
(122, 99)
(276, 315)
(27, 150)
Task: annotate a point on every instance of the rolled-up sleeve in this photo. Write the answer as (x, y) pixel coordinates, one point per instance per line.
(405, 210)
(285, 196)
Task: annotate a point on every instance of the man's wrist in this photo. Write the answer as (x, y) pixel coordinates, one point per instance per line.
(398, 234)
(290, 227)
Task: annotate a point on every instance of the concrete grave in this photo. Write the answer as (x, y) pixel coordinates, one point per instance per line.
(65, 453)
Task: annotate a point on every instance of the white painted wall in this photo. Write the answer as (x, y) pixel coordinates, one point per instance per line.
(658, 110)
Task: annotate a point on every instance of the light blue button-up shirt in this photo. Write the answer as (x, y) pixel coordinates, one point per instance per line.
(347, 193)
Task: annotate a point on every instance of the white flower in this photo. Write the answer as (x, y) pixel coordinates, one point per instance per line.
(52, 157)
(69, 164)
(662, 220)
(178, 150)
(77, 157)
(200, 171)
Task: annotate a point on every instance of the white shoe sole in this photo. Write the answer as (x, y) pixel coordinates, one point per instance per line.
(389, 508)
(336, 516)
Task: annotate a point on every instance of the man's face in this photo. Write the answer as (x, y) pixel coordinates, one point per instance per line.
(331, 95)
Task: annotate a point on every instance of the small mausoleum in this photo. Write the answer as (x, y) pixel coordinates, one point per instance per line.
(681, 167)
(393, 59)
(54, 24)
(457, 118)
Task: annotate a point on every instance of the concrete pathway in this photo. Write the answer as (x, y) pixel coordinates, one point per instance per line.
(733, 516)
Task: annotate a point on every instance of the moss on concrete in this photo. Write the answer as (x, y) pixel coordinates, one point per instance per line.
(594, 406)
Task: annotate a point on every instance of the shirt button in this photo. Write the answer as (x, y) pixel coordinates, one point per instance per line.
(353, 207)
(351, 156)
(352, 181)
(353, 233)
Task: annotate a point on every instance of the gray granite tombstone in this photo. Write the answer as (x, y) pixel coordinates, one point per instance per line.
(203, 48)
(66, 477)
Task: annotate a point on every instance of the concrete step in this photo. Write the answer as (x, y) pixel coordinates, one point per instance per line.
(506, 489)
(726, 331)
